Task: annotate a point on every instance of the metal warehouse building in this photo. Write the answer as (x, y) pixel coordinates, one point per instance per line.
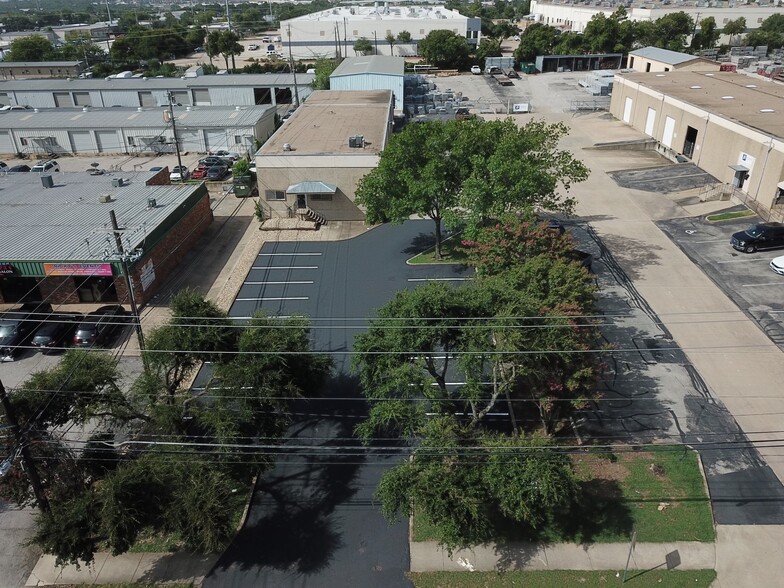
(332, 32)
(58, 245)
(134, 130)
(730, 125)
(374, 72)
(314, 161)
(211, 90)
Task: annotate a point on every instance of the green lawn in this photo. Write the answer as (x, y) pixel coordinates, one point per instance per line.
(452, 252)
(729, 215)
(620, 493)
(558, 579)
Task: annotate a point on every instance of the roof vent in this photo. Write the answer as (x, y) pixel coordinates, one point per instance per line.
(751, 85)
(286, 146)
(144, 78)
(188, 108)
(767, 110)
(139, 109)
(695, 87)
(728, 97)
(104, 198)
(659, 75)
(151, 203)
(68, 79)
(85, 108)
(237, 108)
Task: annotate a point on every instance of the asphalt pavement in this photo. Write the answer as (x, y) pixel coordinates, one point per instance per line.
(314, 521)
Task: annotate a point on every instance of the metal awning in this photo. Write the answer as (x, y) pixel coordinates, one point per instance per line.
(312, 187)
(738, 168)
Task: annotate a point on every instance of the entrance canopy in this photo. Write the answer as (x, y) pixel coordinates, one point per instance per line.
(312, 187)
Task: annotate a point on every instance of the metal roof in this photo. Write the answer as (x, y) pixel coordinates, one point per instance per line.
(67, 223)
(312, 187)
(372, 64)
(233, 80)
(663, 55)
(130, 118)
(357, 13)
(39, 64)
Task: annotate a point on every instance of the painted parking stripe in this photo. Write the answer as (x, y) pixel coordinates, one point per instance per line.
(439, 279)
(273, 298)
(277, 283)
(764, 284)
(745, 260)
(283, 267)
(275, 254)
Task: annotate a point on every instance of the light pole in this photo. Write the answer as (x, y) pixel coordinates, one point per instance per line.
(170, 97)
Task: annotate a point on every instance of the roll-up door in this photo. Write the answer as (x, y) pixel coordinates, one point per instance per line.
(82, 99)
(215, 140)
(6, 145)
(201, 97)
(63, 100)
(146, 99)
(81, 141)
(190, 141)
(108, 141)
(181, 97)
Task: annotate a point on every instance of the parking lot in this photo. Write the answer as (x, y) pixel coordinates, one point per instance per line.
(746, 278)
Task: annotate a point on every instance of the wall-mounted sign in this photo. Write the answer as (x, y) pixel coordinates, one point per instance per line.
(6, 268)
(147, 274)
(78, 269)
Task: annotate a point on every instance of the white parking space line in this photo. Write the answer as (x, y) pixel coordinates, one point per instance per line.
(710, 241)
(439, 279)
(276, 254)
(283, 267)
(745, 260)
(275, 298)
(764, 284)
(267, 283)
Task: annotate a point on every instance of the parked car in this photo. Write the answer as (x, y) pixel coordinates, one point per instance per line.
(214, 160)
(232, 155)
(16, 107)
(179, 173)
(463, 114)
(22, 167)
(3, 166)
(217, 172)
(494, 70)
(476, 70)
(777, 265)
(56, 333)
(200, 172)
(46, 166)
(287, 116)
(156, 168)
(18, 325)
(253, 47)
(759, 236)
(100, 326)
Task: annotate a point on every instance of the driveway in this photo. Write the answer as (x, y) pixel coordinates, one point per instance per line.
(314, 521)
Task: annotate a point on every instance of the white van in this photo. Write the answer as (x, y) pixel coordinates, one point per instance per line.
(46, 166)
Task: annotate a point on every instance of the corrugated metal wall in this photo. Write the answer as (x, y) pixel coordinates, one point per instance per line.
(128, 98)
(61, 139)
(35, 99)
(370, 81)
(231, 96)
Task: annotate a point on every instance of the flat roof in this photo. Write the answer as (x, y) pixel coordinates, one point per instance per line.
(39, 64)
(372, 64)
(324, 122)
(381, 12)
(129, 118)
(663, 55)
(68, 223)
(79, 85)
(755, 103)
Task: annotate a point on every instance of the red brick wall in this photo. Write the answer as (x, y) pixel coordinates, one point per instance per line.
(59, 290)
(168, 253)
(159, 179)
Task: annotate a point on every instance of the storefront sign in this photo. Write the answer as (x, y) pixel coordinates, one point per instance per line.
(6, 268)
(78, 269)
(147, 275)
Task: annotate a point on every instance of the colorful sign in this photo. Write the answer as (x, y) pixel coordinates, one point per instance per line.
(78, 269)
(6, 268)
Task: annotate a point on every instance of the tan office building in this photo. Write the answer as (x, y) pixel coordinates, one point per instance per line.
(730, 125)
(654, 59)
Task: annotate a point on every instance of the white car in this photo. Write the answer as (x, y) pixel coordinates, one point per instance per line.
(253, 47)
(476, 70)
(233, 155)
(777, 265)
(46, 166)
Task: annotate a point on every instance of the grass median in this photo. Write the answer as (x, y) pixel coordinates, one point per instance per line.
(562, 578)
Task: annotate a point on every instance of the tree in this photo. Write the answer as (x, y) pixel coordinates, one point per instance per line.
(608, 34)
(672, 29)
(32, 48)
(445, 50)
(770, 39)
(707, 36)
(212, 45)
(502, 30)
(363, 46)
(404, 37)
(324, 68)
(390, 39)
(228, 43)
(537, 39)
(734, 28)
(773, 24)
(487, 48)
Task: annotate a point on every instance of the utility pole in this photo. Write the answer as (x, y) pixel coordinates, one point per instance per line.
(108, 28)
(27, 459)
(293, 71)
(170, 97)
(345, 36)
(375, 42)
(228, 22)
(137, 323)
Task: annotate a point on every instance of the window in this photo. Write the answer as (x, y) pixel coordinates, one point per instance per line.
(321, 197)
(274, 194)
(647, 67)
(421, 31)
(238, 139)
(666, 69)
(132, 141)
(355, 32)
(322, 33)
(23, 141)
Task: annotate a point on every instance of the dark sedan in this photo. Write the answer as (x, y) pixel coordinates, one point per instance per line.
(211, 161)
(56, 333)
(18, 168)
(217, 172)
(100, 326)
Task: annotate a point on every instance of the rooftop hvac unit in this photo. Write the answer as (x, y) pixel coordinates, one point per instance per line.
(151, 203)
(47, 182)
(117, 182)
(356, 141)
(104, 198)
(286, 146)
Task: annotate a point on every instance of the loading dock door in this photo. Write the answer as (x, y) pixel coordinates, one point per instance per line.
(627, 110)
(81, 142)
(650, 120)
(146, 100)
(215, 140)
(669, 130)
(6, 145)
(63, 100)
(107, 141)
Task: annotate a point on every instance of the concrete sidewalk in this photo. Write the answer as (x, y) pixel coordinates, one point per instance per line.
(684, 555)
(126, 568)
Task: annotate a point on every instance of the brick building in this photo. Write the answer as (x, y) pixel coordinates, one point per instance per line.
(57, 244)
